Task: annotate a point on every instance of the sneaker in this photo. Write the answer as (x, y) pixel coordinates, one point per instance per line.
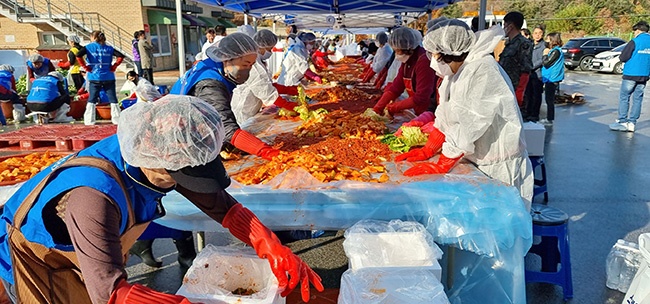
(618, 126)
(630, 126)
(546, 122)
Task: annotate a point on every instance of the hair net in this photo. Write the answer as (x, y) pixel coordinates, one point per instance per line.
(233, 46)
(382, 38)
(36, 58)
(56, 74)
(404, 38)
(306, 37)
(74, 39)
(435, 21)
(7, 67)
(247, 29)
(172, 133)
(265, 38)
(449, 37)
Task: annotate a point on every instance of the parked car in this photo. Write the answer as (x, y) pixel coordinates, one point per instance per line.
(579, 52)
(609, 61)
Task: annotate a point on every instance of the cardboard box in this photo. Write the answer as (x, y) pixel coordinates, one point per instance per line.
(534, 134)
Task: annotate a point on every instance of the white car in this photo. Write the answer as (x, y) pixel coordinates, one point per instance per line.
(608, 61)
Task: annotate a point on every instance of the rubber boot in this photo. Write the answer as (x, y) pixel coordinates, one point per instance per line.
(143, 250)
(186, 252)
(19, 112)
(115, 113)
(90, 114)
(61, 115)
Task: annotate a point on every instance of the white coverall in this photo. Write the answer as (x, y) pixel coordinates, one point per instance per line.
(294, 65)
(381, 58)
(258, 90)
(479, 116)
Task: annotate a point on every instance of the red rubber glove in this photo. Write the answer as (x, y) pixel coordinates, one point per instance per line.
(443, 165)
(400, 105)
(83, 64)
(64, 65)
(283, 103)
(312, 76)
(433, 145)
(32, 79)
(117, 63)
(248, 142)
(368, 76)
(383, 101)
(126, 293)
(289, 90)
(244, 225)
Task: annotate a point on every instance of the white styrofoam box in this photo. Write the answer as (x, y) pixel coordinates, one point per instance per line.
(534, 134)
(217, 271)
(412, 285)
(386, 249)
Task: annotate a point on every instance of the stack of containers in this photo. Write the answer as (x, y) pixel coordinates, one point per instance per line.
(391, 262)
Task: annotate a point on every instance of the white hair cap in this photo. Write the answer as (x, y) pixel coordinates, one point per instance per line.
(36, 58)
(7, 67)
(404, 38)
(74, 38)
(247, 29)
(56, 74)
(172, 133)
(449, 37)
(233, 46)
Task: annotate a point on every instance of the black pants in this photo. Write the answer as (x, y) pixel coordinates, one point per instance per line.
(549, 93)
(46, 107)
(13, 97)
(533, 97)
(78, 81)
(148, 75)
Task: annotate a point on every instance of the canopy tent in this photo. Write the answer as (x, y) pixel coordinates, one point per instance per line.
(328, 6)
(350, 21)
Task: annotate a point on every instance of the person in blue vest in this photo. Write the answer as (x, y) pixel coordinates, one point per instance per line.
(86, 225)
(38, 66)
(50, 94)
(8, 88)
(213, 79)
(100, 75)
(552, 74)
(636, 73)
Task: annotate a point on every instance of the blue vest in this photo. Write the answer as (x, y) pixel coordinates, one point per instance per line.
(144, 199)
(639, 63)
(556, 72)
(205, 69)
(5, 79)
(42, 71)
(100, 58)
(44, 90)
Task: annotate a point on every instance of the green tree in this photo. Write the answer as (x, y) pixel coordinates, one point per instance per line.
(575, 17)
(453, 11)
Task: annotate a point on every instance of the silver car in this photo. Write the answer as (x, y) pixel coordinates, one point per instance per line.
(608, 61)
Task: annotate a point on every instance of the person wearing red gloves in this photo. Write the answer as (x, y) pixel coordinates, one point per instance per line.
(214, 79)
(55, 249)
(382, 57)
(295, 65)
(258, 90)
(100, 75)
(415, 76)
(72, 64)
(478, 117)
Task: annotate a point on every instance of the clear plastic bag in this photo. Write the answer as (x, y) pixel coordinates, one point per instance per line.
(145, 91)
(219, 271)
(622, 264)
(639, 291)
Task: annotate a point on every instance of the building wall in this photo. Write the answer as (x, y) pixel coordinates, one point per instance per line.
(25, 35)
(125, 13)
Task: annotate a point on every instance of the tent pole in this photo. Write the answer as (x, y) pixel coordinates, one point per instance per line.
(179, 38)
(255, 23)
(481, 14)
(273, 26)
(245, 19)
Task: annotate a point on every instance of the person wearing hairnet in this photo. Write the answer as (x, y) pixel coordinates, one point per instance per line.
(320, 58)
(50, 94)
(414, 76)
(213, 79)
(258, 90)
(295, 65)
(101, 75)
(478, 117)
(247, 29)
(72, 64)
(55, 249)
(381, 57)
(38, 66)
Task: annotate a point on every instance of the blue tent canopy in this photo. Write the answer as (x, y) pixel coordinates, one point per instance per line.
(328, 6)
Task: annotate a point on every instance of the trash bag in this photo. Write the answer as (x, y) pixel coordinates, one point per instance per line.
(639, 292)
(145, 91)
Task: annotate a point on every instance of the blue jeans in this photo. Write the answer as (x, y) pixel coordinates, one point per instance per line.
(138, 65)
(108, 86)
(630, 87)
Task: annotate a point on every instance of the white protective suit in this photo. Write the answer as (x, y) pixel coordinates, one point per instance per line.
(258, 90)
(294, 64)
(392, 71)
(480, 118)
(381, 58)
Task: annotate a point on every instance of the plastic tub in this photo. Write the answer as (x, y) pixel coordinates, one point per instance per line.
(104, 111)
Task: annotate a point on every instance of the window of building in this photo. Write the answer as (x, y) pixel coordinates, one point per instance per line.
(52, 39)
(160, 40)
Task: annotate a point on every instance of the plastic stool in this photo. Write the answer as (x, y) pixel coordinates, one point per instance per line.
(551, 224)
(540, 184)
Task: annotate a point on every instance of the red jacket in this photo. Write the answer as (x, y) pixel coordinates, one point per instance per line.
(423, 77)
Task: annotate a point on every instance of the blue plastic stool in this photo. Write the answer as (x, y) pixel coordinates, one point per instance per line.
(540, 184)
(552, 225)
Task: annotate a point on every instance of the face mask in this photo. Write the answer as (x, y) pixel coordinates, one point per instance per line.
(402, 58)
(266, 55)
(236, 75)
(442, 69)
(309, 47)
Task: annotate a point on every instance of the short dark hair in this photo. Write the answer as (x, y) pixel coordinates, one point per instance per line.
(136, 34)
(372, 48)
(641, 26)
(526, 31)
(554, 39)
(474, 26)
(211, 31)
(516, 18)
(220, 30)
(131, 74)
(294, 29)
(541, 27)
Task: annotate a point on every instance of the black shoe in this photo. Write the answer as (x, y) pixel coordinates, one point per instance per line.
(186, 252)
(143, 250)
